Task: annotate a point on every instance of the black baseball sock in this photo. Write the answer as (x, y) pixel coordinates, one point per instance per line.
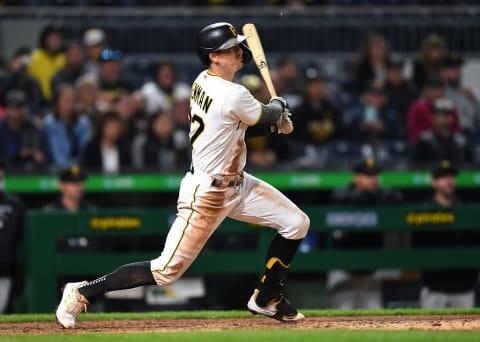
(124, 277)
(279, 256)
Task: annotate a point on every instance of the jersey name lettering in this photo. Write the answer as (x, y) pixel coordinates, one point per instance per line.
(201, 98)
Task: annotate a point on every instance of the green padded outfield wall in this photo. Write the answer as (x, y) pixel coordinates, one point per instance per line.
(45, 261)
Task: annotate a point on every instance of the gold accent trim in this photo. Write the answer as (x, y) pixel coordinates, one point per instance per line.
(259, 114)
(183, 231)
(232, 29)
(211, 73)
(262, 279)
(272, 262)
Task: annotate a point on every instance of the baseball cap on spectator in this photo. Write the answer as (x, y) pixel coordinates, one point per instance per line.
(444, 168)
(94, 36)
(434, 81)
(395, 62)
(15, 98)
(72, 175)
(182, 94)
(312, 74)
(251, 82)
(110, 55)
(453, 59)
(443, 106)
(367, 166)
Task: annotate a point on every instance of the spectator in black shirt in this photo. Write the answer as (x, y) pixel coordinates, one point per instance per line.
(370, 63)
(359, 289)
(441, 142)
(446, 288)
(161, 147)
(12, 219)
(372, 121)
(429, 60)
(317, 119)
(399, 91)
(74, 66)
(17, 78)
(112, 83)
(108, 151)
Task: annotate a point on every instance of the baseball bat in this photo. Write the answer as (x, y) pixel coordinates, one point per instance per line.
(255, 46)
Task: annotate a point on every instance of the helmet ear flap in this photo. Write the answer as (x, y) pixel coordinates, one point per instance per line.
(247, 54)
(203, 56)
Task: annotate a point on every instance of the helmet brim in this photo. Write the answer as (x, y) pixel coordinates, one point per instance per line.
(232, 42)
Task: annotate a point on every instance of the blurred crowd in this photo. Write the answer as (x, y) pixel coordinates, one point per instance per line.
(73, 100)
(152, 3)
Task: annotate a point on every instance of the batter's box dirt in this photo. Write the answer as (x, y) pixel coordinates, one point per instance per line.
(454, 322)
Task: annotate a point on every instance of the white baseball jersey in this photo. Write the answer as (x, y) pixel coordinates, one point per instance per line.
(221, 111)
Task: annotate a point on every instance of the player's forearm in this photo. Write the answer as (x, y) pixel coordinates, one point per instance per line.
(270, 113)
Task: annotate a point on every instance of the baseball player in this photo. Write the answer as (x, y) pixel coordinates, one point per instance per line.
(216, 187)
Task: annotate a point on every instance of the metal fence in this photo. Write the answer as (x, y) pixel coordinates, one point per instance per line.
(327, 29)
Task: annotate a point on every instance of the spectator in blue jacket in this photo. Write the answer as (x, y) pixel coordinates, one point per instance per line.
(66, 132)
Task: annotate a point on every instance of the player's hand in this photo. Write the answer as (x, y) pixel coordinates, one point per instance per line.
(284, 124)
(281, 101)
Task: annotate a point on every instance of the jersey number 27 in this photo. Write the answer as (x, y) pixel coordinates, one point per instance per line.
(196, 131)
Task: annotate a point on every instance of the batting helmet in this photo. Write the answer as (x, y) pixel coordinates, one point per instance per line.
(220, 36)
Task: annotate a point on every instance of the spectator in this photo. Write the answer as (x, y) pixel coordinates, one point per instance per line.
(161, 147)
(265, 151)
(429, 60)
(113, 85)
(372, 121)
(446, 288)
(86, 91)
(317, 120)
(359, 289)
(370, 63)
(400, 92)
(255, 85)
(286, 80)
(74, 66)
(108, 151)
(94, 41)
(165, 90)
(48, 58)
(16, 77)
(66, 131)
(441, 142)
(71, 184)
(12, 221)
(467, 105)
(181, 114)
(21, 144)
(420, 113)
(130, 109)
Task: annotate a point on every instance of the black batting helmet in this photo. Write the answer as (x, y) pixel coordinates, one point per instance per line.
(217, 37)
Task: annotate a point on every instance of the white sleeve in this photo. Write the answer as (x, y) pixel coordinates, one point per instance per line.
(241, 105)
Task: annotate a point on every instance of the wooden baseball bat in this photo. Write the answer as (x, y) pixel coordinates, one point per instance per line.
(255, 45)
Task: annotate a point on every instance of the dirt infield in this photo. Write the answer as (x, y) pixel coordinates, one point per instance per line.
(454, 322)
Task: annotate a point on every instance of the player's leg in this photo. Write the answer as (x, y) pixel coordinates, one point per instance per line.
(264, 205)
(200, 211)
